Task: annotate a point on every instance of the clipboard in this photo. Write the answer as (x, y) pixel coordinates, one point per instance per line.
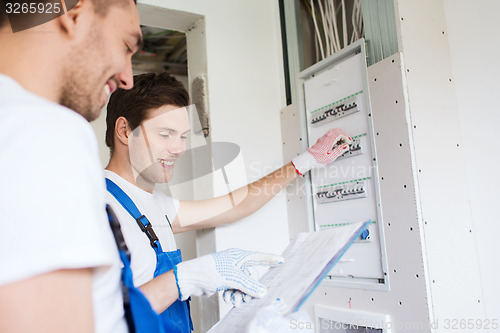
(308, 259)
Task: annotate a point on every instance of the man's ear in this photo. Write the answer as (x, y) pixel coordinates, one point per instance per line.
(122, 130)
(69, 21)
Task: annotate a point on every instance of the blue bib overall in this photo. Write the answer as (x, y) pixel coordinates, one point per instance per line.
(176, 317)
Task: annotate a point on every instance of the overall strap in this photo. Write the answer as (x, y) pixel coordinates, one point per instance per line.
(130, 207)
(123, 249)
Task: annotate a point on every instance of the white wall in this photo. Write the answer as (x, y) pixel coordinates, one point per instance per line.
(473, 28)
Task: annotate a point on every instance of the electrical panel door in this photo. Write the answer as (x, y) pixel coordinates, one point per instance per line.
(335, 95)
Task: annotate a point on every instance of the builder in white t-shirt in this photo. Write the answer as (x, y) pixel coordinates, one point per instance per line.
(59, 269)
(147, 129)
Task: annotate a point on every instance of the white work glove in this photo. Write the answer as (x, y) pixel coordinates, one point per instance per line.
(326, 150)
(236, 297)
(223, 270)
(270, 319)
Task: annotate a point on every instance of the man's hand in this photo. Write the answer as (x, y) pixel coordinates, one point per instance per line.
(327, 149)
(223, 270)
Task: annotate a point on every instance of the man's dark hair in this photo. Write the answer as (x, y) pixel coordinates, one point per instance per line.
(150, 91)
(3, 13)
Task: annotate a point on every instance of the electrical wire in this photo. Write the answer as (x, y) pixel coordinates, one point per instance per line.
(325, 28)
(333, 23)
(329, 14)
(336, 29)
(344, 24)
(326, 16)
(354, 20)
(317, 31)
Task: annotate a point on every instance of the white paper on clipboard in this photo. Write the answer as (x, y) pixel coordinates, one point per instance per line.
(308, 258)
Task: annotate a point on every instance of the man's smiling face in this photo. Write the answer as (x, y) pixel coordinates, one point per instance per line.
(156, 145)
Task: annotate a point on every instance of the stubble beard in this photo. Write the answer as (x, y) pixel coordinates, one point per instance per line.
(82, 82)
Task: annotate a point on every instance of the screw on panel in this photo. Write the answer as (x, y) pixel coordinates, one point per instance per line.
(411, 228)
(417, 276)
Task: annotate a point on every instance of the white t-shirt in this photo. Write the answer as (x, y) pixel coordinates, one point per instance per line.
(154, 206)
(52, 200)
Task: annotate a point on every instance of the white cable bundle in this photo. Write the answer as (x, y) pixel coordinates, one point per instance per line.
(327, 40)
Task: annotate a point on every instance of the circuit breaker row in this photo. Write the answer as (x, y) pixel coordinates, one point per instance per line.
(355, 148)
(336, 110)
(342, 191)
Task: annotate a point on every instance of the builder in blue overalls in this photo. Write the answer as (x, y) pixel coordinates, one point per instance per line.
(147, 129)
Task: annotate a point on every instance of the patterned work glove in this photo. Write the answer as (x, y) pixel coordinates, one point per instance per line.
(223, 270)
(326, 150)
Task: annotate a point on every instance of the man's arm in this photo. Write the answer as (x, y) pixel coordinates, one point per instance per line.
(59, 301)
(246, 200)
(161, 292)
(233, 206)
(208, 274)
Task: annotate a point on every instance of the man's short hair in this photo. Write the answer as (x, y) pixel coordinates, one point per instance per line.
(101, 7)
(150, 91)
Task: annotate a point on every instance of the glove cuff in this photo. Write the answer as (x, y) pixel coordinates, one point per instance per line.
(177, 284)
(304, 162)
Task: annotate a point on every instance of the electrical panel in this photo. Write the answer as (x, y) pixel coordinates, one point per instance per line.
(335, 95)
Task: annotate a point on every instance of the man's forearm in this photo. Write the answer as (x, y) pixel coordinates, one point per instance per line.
(235, 205)
(161, 292)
